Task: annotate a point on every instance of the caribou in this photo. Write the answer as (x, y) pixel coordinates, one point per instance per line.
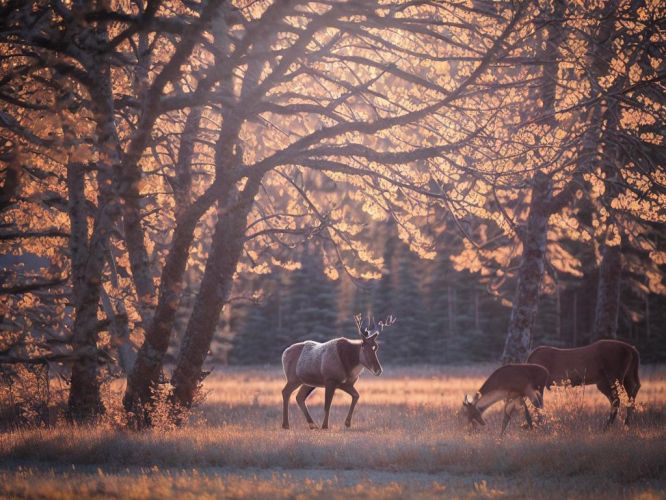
(513, 384)
(335, 364)
(606, 363)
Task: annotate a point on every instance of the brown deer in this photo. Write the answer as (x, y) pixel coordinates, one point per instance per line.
(335, 364)
(604, 363)
(511, 383)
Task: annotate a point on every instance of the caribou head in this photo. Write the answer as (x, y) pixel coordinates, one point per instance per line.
(471, 411)
(369, 346)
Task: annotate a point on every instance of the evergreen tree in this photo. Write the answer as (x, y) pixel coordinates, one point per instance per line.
(398, 293)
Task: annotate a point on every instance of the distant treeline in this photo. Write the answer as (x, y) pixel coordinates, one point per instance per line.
(444, 316)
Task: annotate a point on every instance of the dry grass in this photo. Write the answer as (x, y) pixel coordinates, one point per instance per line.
(406, 440)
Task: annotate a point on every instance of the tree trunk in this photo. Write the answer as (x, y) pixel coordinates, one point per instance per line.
(608, 294)
(558, 310)
(477, 323)
(10, 187)
(226, 248)
(534, 236)
(119, 326)
(84, 398)
(526, 301)
(574, 340)
(450, 313)
(138, 255)
(148, 365)
(78, 223)
(609, 280)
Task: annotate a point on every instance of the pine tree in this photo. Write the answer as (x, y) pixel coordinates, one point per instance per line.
(398, 293)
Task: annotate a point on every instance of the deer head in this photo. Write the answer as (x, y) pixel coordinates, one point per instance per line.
(369, 346)
(471, 411)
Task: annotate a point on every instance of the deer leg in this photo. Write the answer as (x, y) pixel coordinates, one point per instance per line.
(536, 398)
(615, 406)
(630, 412)
(631, 386)
(607, 390)
(508, 411)
(528, 417)
(349, 389)
(302, 395)
(328, 399)
(286, 394)
(539, 396)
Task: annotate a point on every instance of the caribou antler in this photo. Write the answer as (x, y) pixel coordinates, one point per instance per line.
(358, 319)
(387, 322)
(364, 331)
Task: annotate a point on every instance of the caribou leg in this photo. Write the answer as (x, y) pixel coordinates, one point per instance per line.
(536, 398)
(539, 406)
(508, 412)
(607, 390)
(302, 395)
(528, 417)
(615, 406)
(328, 399)
(286, 394)
(349, 389)
(631, 385)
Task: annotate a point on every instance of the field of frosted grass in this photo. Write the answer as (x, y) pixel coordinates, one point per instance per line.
(406, 439)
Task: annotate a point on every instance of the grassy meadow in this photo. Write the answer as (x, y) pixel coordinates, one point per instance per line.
(406, 440)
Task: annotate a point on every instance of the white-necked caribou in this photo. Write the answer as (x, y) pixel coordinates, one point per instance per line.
(604, 363)
(335, 364)
(511, 384)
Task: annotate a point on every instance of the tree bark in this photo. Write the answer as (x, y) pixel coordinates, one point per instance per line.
(84, 398)
(85, 401)
(226, 248)
(132, 174)
(526, 301)
(148, 365)
(78, 222)
(11, 185)
(610, 271)
(534, 236)
(647, 315)
(574, 340)
(116, 313)
(608, 293)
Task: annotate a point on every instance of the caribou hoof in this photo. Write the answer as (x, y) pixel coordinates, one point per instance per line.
(347, 423)
(285, 426)
(313, 426)
(325, 427)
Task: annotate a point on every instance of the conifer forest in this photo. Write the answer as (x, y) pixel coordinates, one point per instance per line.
(190, 187)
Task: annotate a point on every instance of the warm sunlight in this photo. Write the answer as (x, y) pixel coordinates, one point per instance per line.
(464, 199)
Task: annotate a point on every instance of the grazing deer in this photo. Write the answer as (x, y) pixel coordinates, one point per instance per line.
(335, 364)
(511, 383)
(604, 363)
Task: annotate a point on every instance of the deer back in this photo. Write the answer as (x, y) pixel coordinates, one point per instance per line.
(515, 378)
(319, 362)
(586, 365)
